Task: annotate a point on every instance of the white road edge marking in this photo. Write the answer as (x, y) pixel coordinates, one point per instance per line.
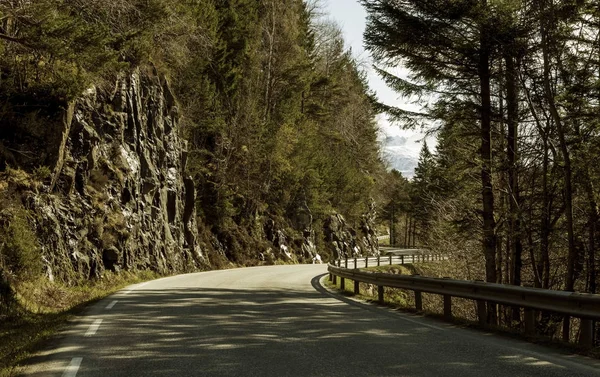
(142, 285)
(93, 327)
(111, 305)
(73, 368)
(135, 287)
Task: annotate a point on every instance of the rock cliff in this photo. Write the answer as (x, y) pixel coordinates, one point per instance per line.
(117, 197)
(113, 194)
(345, 241)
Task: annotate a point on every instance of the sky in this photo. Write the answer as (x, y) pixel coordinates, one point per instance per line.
(351, 17)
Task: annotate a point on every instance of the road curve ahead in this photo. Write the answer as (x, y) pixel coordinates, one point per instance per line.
(278, 321)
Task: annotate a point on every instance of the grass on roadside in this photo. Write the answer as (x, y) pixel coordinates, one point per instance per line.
(462, 309)
(368, 292)
(45, 307)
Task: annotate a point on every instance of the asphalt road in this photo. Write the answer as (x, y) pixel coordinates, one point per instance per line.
(278, 321)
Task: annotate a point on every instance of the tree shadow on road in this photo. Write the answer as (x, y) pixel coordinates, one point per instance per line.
(276, 332)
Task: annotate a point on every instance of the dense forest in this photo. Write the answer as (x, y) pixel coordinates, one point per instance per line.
(282, 138)
(279, 122)
(512, 90)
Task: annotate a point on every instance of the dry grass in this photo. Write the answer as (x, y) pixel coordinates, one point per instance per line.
(45, 308)
(464, 311)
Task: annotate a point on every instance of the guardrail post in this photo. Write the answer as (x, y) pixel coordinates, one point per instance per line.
(367, 261)
(586, 333)
(402, 259)
(412, 260)
(390, 259)
(346, 262)
(378, 260)
(340, 262)
(529, 322)
(355, 262)
(342, 284)
(579, 305)
(447, 307)
(419, 301)
(481, 312)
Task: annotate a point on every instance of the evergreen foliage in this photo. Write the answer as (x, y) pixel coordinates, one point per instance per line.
(513, 88)
(277, 112)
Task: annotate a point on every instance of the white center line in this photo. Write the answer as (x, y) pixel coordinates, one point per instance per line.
(93, 327)
(111, 305)
(73, 368)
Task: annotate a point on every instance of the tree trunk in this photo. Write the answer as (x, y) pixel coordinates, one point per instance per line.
(545, 224)
(501, 232)
(543, 263)
(514, 218)
(406, 231)
(567, 168)
(512, 101)
(392, 227)
(489, 223)
(593, 217)
(414, 232)
(568, 184)
(269, 80)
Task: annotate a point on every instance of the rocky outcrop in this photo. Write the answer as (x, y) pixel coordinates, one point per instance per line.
(344, 241)
(367, 235)
(279, 239)
(117, 197)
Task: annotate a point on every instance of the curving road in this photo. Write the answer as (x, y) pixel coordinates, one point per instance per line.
(278, 321)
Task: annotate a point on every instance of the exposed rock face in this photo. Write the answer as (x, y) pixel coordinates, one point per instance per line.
(279, 240)
(308, 247)
(344, 241)
(118, 197)
(368, 234)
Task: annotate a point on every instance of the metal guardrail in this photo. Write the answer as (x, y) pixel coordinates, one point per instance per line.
(572, 304)
(415, 257)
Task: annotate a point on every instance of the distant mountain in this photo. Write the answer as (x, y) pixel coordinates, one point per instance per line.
(401, 154)
(395, 141)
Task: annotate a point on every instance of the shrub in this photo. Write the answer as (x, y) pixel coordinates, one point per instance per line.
(20, 256)
(41, 173)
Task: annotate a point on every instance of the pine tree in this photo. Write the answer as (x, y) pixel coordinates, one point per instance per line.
(448, 48)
